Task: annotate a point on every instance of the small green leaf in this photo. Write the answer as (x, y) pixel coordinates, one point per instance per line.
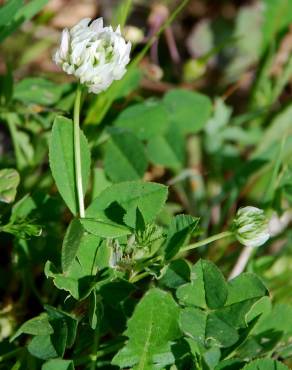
(58, 364)
(36, 326)
(22, 208)
(220, 332)
(193, 323)
(79, 279)
(272, 326)
(38, 91)
(175, 274)
(9, 180)
(60, 336)
(207, 288)
(20, 15)
(167, 150)
(231, 364)
(70, 320)
(124, 157)
(151, 330)
(46, 347)
(207, 328)
(41, 347)
(104, 228)
(188, 111)
(8, 11)
(179, 230)
(265, 364)
(88, 254)
(61, 154)
(100, 182)
(118, 203)
(243, 292)
(68, 284)
(146, 120)
(71, 244)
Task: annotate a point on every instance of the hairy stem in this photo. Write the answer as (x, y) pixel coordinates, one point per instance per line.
(77, 152)
(209, 240)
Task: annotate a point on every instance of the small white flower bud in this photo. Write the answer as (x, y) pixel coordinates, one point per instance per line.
(251, 227)
(133, 34)
(96, 55)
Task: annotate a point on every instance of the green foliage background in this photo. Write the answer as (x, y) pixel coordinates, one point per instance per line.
(166, 162)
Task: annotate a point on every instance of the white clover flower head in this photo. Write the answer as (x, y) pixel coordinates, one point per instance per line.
(251, 227)
(96, 55)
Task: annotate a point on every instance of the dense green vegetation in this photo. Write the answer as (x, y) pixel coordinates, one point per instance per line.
(158, 273)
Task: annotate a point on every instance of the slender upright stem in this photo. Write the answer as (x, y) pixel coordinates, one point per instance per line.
(77, 153)
(209, 240)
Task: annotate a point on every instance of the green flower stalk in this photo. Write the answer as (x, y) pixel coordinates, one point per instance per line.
(251, 227)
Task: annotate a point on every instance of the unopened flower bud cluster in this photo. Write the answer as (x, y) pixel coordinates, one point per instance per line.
(251, 226)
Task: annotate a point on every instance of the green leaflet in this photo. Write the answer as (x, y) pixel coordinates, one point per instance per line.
(167, 150)
(216, 310)
(125, 157)
(175, 274)
(207, 288)
(188, 111)
(104, 228)
(61, 155)
(38, 91)
(146, 120)
(53, 332)
(71, 243)
(118, 203)
(150, 331)
(8, 11)
(59, 364)
(38, 325)
(15, 13)
(180, 228)
(78, 276)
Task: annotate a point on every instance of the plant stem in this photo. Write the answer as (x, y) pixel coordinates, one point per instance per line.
(138, 277)
(209, 240)
(99, 354)
(77, 152)
(12, 354)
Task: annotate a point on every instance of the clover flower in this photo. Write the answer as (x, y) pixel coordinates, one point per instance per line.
(251, 227)
(96, 55)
